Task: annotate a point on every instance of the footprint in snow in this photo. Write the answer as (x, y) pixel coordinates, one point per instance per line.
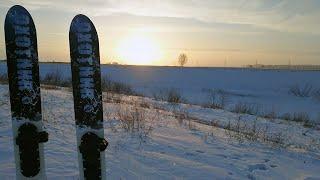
(261, 167)
(266, 160)
(189, 154)
(273, 166)
(199, 151)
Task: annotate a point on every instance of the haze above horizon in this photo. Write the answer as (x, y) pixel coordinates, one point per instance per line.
(210, 32)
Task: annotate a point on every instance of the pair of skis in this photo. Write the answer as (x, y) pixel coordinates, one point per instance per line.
(25, 100)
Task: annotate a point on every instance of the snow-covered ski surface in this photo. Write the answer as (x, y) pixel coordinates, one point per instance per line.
(173, 148)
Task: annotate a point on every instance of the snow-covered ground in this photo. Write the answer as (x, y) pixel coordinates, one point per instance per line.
(183, 142)
(268, 90)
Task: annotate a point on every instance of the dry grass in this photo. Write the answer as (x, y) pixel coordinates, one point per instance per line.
(170, 95)
(245, 108)
(241, 131)
(134, 120)
(217, 98)
(109, 85)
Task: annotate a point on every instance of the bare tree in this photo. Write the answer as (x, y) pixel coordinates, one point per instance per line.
(182, 60)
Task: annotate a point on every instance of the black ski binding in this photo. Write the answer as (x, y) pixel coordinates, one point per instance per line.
(90, 148)
(28, 140)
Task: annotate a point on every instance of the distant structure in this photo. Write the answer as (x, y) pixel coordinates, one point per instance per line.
(114, 63)
(288, 67)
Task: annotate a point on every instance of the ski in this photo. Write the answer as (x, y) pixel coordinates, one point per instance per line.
(86, 82)
(25, 100)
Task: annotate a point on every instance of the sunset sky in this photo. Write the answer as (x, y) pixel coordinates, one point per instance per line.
(155, 32)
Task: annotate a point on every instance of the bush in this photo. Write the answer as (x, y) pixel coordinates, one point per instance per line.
(56, 78)
(245, 108)
(300, 117)
(242, 130)
(171, 95)
(217, 98)
(286, 116)
(271, 115)
(116, 87)
(133, 120)
(304, 118)
(301, 91)
(174, 96)
(159, 95)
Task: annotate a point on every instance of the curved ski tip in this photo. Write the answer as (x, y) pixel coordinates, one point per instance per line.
(79, 21)
(17, 10)
(82, 16)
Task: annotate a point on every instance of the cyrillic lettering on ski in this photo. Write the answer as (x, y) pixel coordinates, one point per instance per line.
(23, 43)
(86, 65)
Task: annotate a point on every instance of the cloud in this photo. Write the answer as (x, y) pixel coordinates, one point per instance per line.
(279, 15)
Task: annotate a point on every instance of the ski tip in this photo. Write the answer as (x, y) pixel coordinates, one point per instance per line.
(18, 7)
(81, 16)
(17, 11)
(80, 22)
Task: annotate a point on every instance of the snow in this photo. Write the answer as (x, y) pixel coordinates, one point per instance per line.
(266, 89)
(190, 149)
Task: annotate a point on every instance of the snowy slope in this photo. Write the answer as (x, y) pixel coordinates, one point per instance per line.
(173, 150)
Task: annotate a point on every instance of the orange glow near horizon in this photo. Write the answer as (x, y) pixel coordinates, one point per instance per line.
(138, 49)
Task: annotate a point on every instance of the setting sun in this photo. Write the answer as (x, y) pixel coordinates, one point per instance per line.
(138, 50)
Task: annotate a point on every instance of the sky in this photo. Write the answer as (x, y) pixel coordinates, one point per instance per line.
(155, 32)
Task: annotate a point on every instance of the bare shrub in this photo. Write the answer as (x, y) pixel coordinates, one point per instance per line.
(56, 78)
(245, 108)
(301, 90)
(144, 105)
(159, 95)
(181, 115)
(271, 115)
(134, 120)
(304, 118)
(241, 131)
(276, 138)
(184, 119)
(309, 124)
(174, 96)
(116, 87)
(171, 95)
(217, 98)
(300, 117)
(286, 116)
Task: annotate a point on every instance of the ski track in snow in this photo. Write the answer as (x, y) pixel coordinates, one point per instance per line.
(172, 151)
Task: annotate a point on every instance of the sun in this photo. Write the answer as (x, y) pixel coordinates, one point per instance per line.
(138, 50)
